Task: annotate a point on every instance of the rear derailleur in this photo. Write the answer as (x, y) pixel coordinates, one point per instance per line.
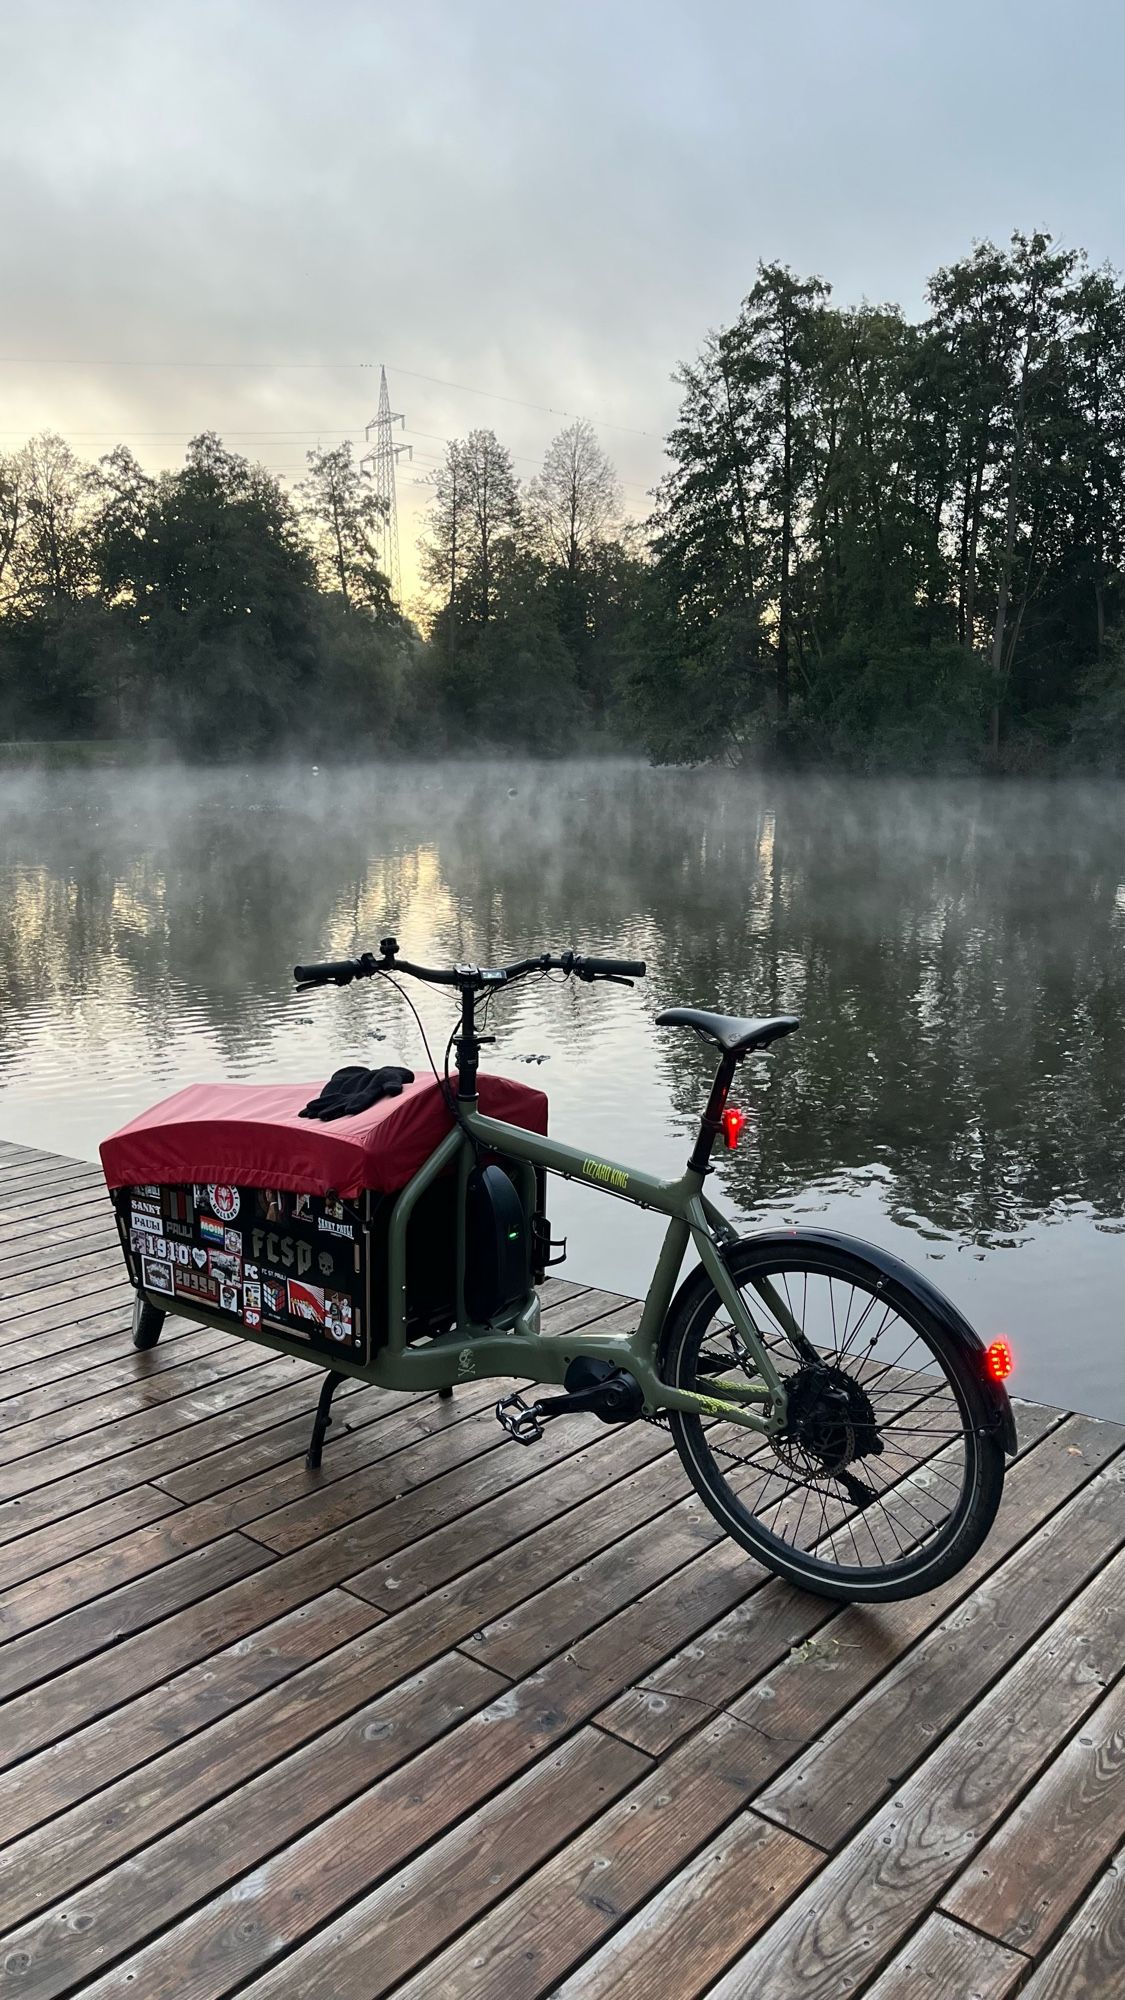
(598, 1386)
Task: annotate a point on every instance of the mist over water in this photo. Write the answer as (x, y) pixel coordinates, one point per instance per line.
(956, 952)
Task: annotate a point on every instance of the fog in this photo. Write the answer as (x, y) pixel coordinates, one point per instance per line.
(956, 952)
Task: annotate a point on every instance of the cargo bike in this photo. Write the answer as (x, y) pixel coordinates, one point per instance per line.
(836, 1414)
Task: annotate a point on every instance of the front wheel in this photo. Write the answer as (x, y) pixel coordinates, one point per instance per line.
(147, 1323)
(888, 1473)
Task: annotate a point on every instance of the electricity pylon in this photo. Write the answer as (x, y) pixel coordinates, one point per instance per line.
(379, 464)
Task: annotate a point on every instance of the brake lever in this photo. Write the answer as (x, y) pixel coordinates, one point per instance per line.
(617, 979)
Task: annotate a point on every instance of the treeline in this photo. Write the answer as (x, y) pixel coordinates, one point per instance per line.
(889, 542)
(214, 612)
(879, 542)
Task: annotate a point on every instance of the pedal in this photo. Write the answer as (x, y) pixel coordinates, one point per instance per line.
(519, 1419)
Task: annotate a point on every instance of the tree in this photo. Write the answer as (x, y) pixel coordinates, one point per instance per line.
(50, 554)
(474, 517)
(575, 501)
(445, 551)
(344, 519)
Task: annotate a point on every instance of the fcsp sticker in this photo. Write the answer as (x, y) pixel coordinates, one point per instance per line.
(465, 1363)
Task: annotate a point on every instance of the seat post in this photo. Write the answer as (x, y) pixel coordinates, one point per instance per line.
(711, 1122)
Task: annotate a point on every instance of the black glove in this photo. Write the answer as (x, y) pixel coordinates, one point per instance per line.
(350, 1090)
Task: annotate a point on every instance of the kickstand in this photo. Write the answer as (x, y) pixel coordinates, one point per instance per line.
(329, 1387)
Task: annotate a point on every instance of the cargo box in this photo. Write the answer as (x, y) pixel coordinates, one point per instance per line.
(232, 1207)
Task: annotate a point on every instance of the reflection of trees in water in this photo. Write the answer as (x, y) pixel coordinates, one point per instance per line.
(956, 952)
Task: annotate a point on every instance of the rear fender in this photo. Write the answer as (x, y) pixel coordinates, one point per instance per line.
(896, 1276)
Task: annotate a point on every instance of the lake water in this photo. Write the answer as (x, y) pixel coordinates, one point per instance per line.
(956, 953)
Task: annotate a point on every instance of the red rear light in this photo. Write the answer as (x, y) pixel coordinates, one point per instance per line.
(998, 1360)
(733, 1122)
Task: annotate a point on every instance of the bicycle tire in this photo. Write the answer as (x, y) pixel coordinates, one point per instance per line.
(693, 1318)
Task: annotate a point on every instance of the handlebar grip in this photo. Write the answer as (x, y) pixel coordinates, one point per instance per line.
(338, 971)
(611, 968)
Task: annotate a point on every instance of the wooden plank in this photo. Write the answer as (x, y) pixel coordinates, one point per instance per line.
(1088, 1961)
(942, 1959)
(408, 1642)
(1044, 1857)
(119, 1560)
(568, 1908)
(686, 1935)
(33, 1246)
(640, 1554)
(124, 1435)
(384, 1937)
(147, 1461)
(52, 1783)
(398, 1816)
(35, 1277)
(723, 1663)
(836, 1935)
(480, 1466)
(87, 1690)
(24, 1212)
(692, 1795)
(31, 1310)
(20, 1319)
(140, 1389)
(36, 1390)
(48, 1649)
(89, 1530)
(851, 1769)
(60, 1948)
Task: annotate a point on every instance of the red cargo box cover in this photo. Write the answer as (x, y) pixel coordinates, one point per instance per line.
(250, 1135)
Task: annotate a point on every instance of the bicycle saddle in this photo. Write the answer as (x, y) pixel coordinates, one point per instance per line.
(734, 1036)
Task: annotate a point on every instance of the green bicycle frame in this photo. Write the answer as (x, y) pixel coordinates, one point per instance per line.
(514, 1344)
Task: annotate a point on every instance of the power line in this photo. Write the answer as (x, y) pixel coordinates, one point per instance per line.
(439, 381)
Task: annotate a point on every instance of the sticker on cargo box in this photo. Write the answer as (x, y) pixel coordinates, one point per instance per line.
(267, 1202)
(148, 1193)
(183, 1254)
(338, 1315)
(140, 1219)
(161, 1247)
(157, 1276)
(331, 1227)
(228, 1298)
(224, 1201)
(306, 1302)
(232, 1241)
(228, 1270)
(197, 1285)
(199, 1259)
(251, 1272)
(252, 1317)
(252, 1294)
(146, 1208)
(179, 1204)
(274, 1295)
(211, 1231)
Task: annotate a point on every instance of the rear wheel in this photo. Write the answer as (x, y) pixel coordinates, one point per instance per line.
(888, 1474)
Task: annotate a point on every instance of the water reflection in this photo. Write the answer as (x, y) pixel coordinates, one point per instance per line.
(956, 952)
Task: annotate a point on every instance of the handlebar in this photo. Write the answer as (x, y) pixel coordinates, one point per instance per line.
(341, 971)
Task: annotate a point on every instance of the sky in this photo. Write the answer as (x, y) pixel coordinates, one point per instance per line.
(226, 214)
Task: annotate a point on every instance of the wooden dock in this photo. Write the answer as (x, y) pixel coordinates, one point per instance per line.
(454, 1718)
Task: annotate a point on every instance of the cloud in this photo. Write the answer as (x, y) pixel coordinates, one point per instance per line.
(550, 203)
